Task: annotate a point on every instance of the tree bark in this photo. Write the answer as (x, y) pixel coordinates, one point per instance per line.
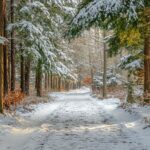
(12, 47)
(59, 84)
(39, 79)
(46, 81)
(105, 67)
(147, 55)
(6, 53)
(130, 97)
(91, 71)
(22, 71)
(51, 79)
(147, 65)
(36, 80)
(2, 3)
(27, 75)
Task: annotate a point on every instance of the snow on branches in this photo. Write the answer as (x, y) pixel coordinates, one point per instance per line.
(39, 28)
(3, 40)
(101, 10)
(131, 62)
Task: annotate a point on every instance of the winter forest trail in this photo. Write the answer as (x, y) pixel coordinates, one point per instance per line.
(75, 121)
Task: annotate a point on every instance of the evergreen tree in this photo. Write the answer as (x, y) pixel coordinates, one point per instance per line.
(127, 19)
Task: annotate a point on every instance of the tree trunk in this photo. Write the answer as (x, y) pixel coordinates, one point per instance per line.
(46, 81)
(59, 84)
(27, 75)
(6, 53)
(91, 71)
(22, 71)
(12, 47)
(2, 3)
(147, 65)
(1, 75)
(36, 80)
(6, 81)
(51, 79)
(147, 56)
(130, 97)
(39, 79)
(105, 67)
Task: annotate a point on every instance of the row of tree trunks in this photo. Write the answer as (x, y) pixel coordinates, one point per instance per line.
(7, 63)
(52, 82)
(56, 83)
(25, 69)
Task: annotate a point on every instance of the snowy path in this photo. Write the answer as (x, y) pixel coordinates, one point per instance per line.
(75, 121)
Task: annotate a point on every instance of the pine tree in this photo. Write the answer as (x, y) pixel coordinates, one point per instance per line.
(122, 17)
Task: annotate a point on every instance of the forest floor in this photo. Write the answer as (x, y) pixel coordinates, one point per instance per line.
(76, 121)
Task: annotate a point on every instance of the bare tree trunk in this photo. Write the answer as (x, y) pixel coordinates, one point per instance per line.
(147, 56)
(59, 83)
(6, 53)
(54, 82)
(147, 65)
(6, 82)
(91, 71)
(100, 56)
(51, 79)
(27, 75)
(2, 3)
(130, 97)
(105, 67)
(49, 82)
(46, 81)
(36, 80)
(22, 71)
(39, 79)
(12, 47)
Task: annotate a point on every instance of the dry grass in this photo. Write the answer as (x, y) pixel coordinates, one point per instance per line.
(113, 91)
(12, 99)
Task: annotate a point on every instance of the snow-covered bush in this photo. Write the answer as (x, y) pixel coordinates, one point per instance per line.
(131, 62)
(112, 79)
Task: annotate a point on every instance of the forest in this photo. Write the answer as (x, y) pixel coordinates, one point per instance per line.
(74, 74)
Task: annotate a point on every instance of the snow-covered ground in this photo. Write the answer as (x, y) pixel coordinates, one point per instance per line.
(76, 121)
